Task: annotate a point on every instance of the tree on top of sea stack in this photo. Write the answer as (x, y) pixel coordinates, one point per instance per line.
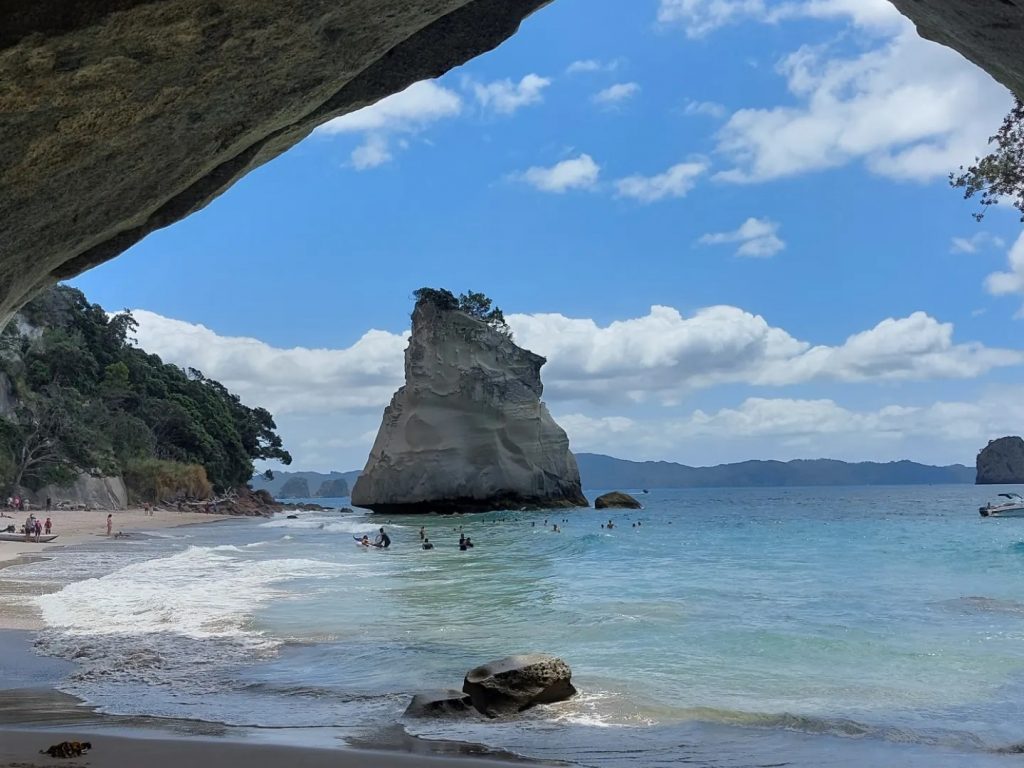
(468, 431)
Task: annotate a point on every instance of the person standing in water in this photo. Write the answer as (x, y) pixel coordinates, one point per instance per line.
(427, 544)
(423, 533)
(383, 540)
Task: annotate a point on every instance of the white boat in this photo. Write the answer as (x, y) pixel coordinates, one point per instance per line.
(1014, 507)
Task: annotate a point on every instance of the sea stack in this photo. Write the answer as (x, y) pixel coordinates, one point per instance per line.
(467, 432)
(1001, 461)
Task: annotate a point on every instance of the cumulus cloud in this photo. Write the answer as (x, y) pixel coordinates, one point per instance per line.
(786, 428)
(1011, 281)
(505, 97)
(665, 355)
(592, 65)
(293, 380)
(675, 182)
(409, 111)
(576, 173)
(616, 94)
(757, 238)
(909, 110)
(699, 17)
(975, 243)
(417, 106)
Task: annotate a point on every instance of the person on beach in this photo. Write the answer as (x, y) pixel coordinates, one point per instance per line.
(38, 528)
(48, 525)
(110, 524)
(427, 544)
(49, 504)
(383, 540)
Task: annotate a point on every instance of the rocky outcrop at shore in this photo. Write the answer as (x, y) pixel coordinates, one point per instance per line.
(87, 492)
(516, 683)
(616, 500)
(468, 431)
(1001, 461)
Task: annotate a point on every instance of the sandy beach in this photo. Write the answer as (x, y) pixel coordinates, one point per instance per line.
(78, 527)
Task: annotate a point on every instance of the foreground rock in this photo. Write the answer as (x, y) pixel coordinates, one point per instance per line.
(467, 432)
(440, 704)
(118, 118)
(516, 683)
(1001, 461)
(616, 500)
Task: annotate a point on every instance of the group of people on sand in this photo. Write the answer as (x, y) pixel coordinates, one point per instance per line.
(34, 527)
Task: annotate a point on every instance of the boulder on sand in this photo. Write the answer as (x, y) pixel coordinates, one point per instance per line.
(439, 703)
(616, 500)
(516, 683)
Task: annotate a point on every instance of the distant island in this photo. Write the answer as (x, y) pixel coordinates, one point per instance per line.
(599, 471)
(290, 485)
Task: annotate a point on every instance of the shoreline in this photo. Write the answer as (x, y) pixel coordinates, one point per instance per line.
(74, 528)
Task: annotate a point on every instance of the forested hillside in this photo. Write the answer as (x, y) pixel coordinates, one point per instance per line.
(76, 396)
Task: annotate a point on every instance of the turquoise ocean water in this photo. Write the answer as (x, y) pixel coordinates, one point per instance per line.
(749, 627)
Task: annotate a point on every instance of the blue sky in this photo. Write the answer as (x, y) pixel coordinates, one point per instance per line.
(782, 162)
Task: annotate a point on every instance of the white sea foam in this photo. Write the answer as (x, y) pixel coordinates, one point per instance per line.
(327, 525)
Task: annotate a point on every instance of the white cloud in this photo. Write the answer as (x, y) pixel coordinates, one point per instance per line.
(616, 94)
(414, 108)
(665, 355)
(1012, 281)
(505, 97)
(699, 17)
(706, 108)
(977, 242)
(593, 65)
(675, 182)
(758, 238)
(328, 402)
(910, 110)
(784, 428)
(294, 380)
(373, 152)
(409, 111)
(576, 173)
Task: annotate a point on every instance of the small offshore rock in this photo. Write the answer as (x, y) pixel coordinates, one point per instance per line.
(439, 704)
(616, 500)
(516, 683)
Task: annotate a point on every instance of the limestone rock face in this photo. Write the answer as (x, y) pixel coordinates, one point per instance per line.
(518, 682)
(1001, 461)
(87, 491)
(988, 32)
(118, 117)
(616, 500)
(468, 431)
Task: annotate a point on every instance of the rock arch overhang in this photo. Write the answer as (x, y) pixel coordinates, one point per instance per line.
(119, 117)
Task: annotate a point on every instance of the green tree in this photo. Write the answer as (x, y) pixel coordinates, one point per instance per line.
(999, 174)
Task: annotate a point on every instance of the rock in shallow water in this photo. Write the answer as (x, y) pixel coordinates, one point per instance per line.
(467, 432)
(516, 683)
(617, 500)
(440, 704)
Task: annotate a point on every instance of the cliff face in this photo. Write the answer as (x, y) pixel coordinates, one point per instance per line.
(1001, 461)
(468, 431)
(119, 117)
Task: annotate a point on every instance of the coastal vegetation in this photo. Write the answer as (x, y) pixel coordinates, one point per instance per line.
(1000, 174)
(471, 303)
(82, 398)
